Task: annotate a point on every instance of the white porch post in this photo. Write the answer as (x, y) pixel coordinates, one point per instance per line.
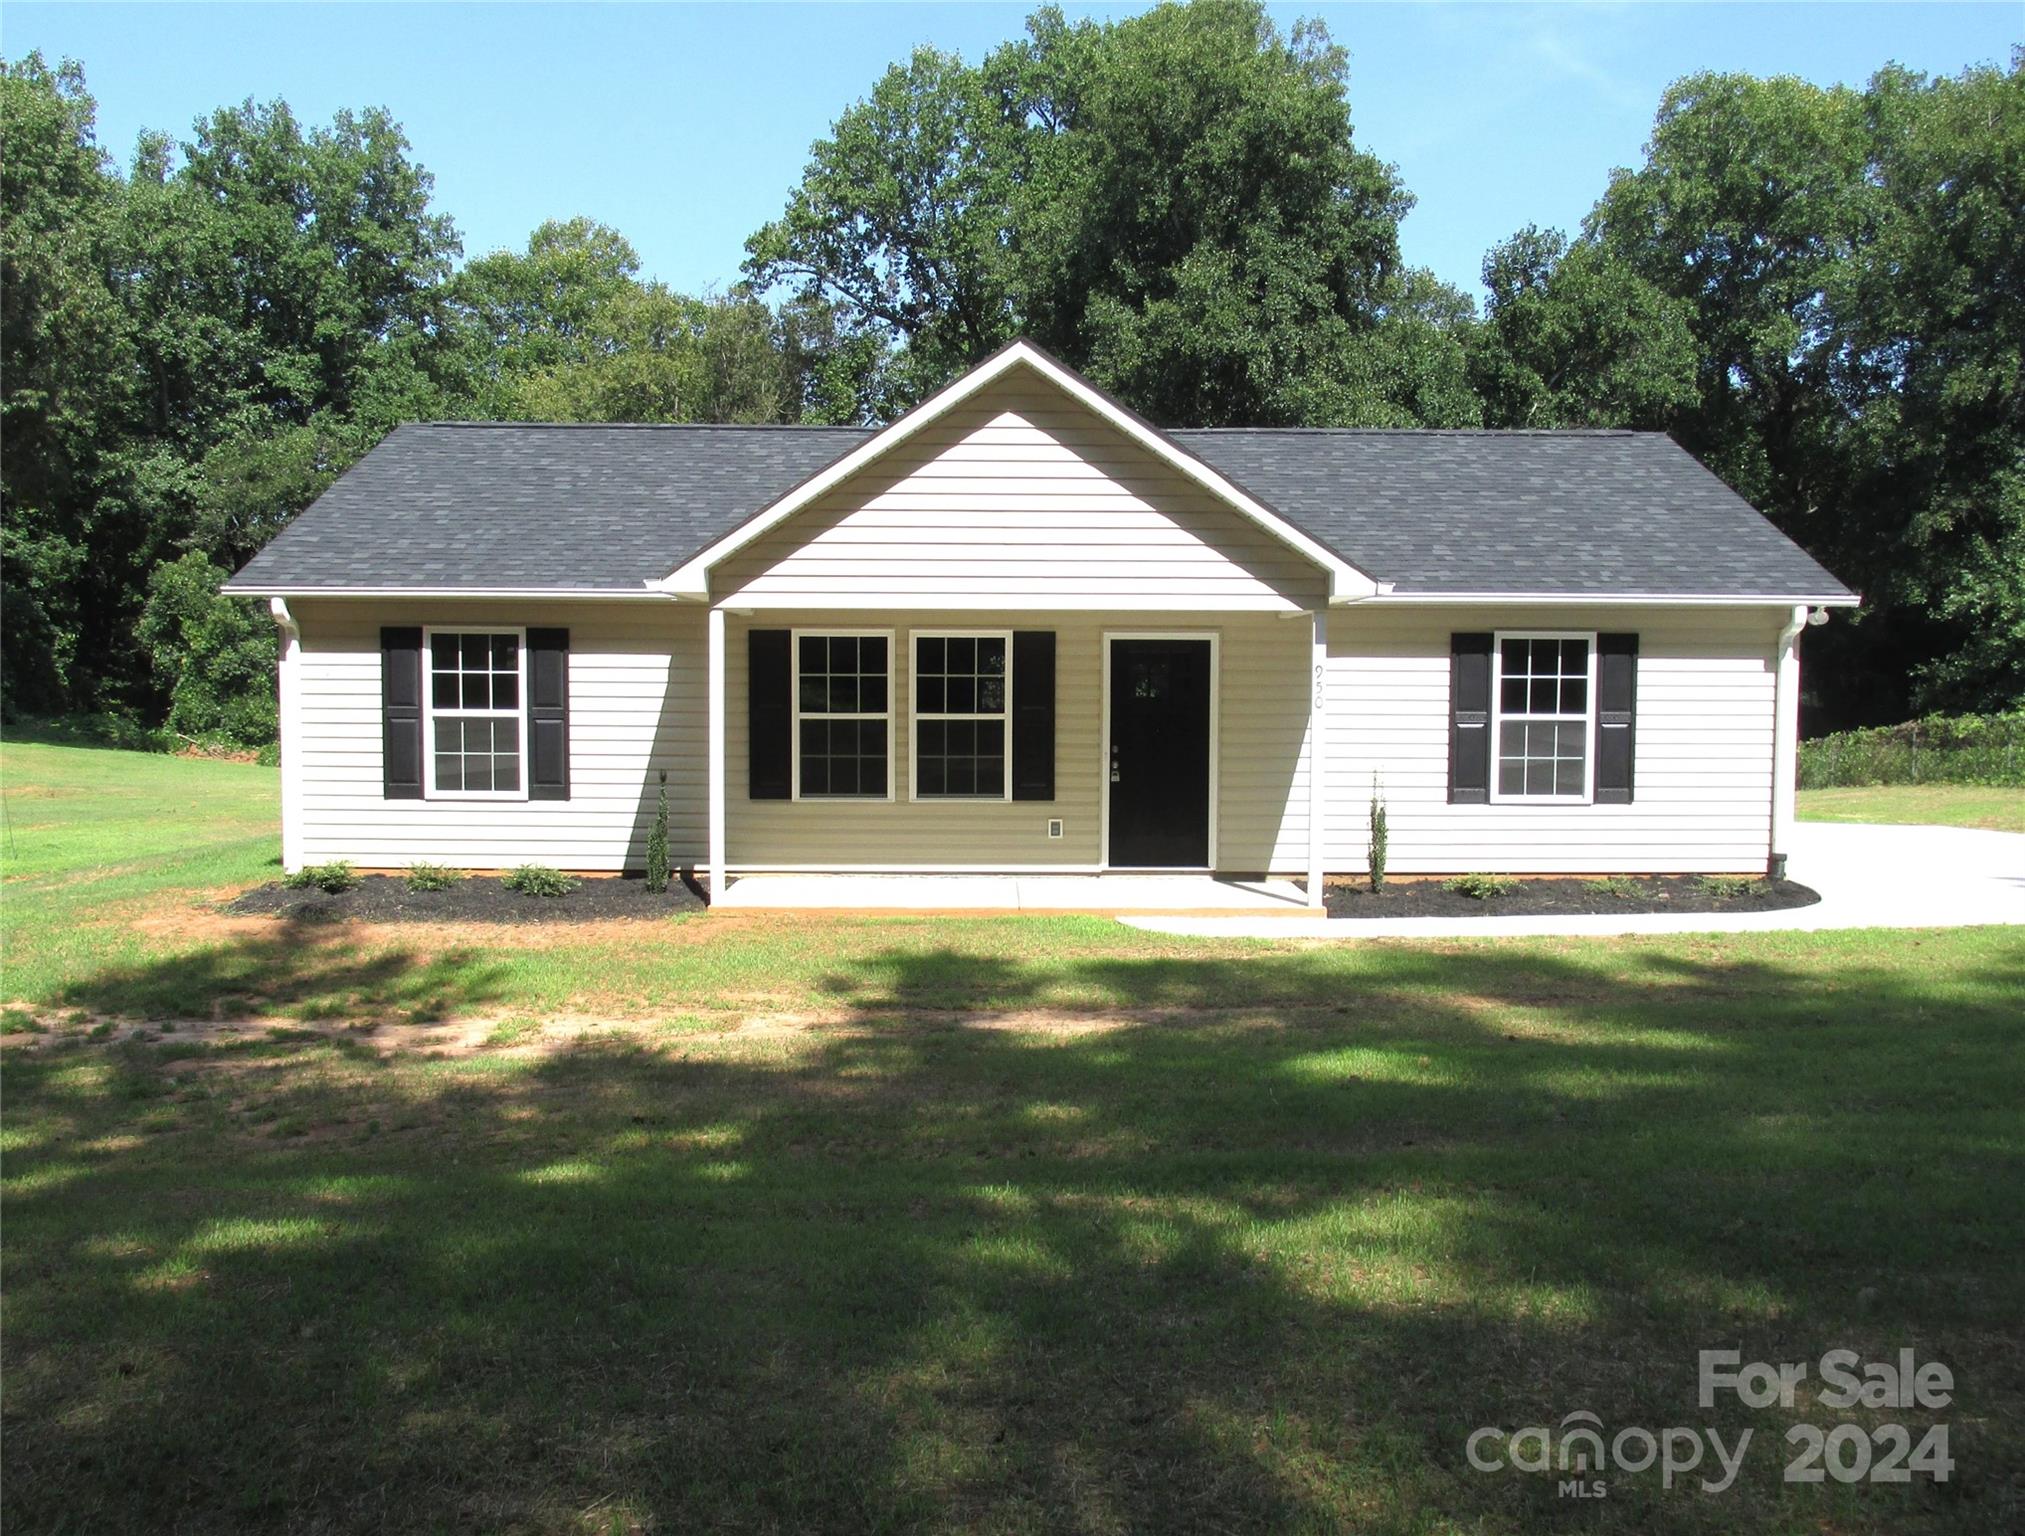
(291, 733)
(1785, 739)
(717, 849)
(1318, 752)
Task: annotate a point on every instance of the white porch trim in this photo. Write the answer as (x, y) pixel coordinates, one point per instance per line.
(1318, 754)
(291, 733)
(716, 751)
(1785, 735)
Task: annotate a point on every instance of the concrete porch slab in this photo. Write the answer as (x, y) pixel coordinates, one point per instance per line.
(1868, 877)
(1100, 895)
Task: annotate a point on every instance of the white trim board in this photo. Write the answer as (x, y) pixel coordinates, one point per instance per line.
(691, 578)
(646, 594)
(1600, 600)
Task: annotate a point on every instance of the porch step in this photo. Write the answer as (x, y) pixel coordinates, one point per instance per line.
(1101, 895)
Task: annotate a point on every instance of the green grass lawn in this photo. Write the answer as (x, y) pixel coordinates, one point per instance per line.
(1008, 1225)
(1953, 805)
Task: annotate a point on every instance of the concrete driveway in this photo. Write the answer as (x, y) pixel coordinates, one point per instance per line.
(1868, 877)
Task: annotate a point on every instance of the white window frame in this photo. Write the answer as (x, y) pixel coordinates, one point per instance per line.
(1587, 718)
(914, 716)
(840, 632)
(429, 789)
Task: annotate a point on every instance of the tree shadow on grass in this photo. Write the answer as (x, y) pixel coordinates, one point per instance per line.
(306, 967)
(1262, 1269)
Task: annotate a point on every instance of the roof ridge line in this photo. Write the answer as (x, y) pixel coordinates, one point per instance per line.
(1430, 431)
(649, 426)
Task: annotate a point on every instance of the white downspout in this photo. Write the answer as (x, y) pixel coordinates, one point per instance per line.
(717, 832)
(291, 733)
(1785, 739)
(1318, 754)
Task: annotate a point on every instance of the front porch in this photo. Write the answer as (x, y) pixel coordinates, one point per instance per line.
(1119, 895)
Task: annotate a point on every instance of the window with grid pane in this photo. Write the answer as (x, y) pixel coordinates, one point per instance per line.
(843, 716)
(1543, 700)
(962, 685)
(475, 712)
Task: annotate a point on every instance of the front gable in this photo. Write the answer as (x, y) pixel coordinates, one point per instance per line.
(1019, 486)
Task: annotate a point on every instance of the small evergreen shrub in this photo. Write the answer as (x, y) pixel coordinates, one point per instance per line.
(333, 878)
(432, 877)
(657, 841)
(1379, 838)
(539, 880)
(1478, 887)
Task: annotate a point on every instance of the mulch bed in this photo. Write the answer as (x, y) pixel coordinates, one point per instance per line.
(475, 899)
(1563, 898)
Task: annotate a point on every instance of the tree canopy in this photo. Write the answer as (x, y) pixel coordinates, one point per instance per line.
(1818, 290)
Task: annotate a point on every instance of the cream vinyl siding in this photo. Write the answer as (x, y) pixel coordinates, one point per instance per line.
(1019, 498)
(636, 702)
(1262, 725)
(1703, 768)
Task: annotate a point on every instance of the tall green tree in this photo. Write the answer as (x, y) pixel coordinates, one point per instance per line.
(567, 330)
(1572, 337)
(1216, 252)
(1219, 253)
(66, 374)
(1849, 263)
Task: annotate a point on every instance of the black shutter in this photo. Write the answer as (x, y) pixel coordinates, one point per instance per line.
(769, 695)
(548, 714)
(1469, 719)
(401, 713)
(1616, 716)
(1033, 714)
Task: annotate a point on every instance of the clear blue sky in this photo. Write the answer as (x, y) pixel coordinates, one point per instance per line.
(684, 126)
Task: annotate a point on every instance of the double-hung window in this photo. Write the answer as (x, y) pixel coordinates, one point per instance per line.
(843, 715)
(475, 719)
(962, 692)
(1543, 699)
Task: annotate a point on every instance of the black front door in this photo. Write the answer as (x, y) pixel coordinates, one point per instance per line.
(1159, 768)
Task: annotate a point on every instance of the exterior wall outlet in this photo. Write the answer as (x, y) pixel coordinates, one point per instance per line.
(1054, 829)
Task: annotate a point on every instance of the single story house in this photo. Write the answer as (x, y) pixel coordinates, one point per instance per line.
(1023, 630)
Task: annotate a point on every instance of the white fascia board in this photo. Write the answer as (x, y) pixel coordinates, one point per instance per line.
(692, 577)
(646, 594)
(1610, 600)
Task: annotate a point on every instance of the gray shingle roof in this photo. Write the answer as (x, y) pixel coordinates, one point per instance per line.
(1577, 513)
(449, 506)
(495, 505)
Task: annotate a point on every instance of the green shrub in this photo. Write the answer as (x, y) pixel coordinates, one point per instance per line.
(216, 653)
(1478, 887)
(335, 877)
(657, 841)
(539, 880)
(106, 728)
(1623, 887)
(1379, 838)
(1727, 887)
(432, 877)
(1964, 749)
